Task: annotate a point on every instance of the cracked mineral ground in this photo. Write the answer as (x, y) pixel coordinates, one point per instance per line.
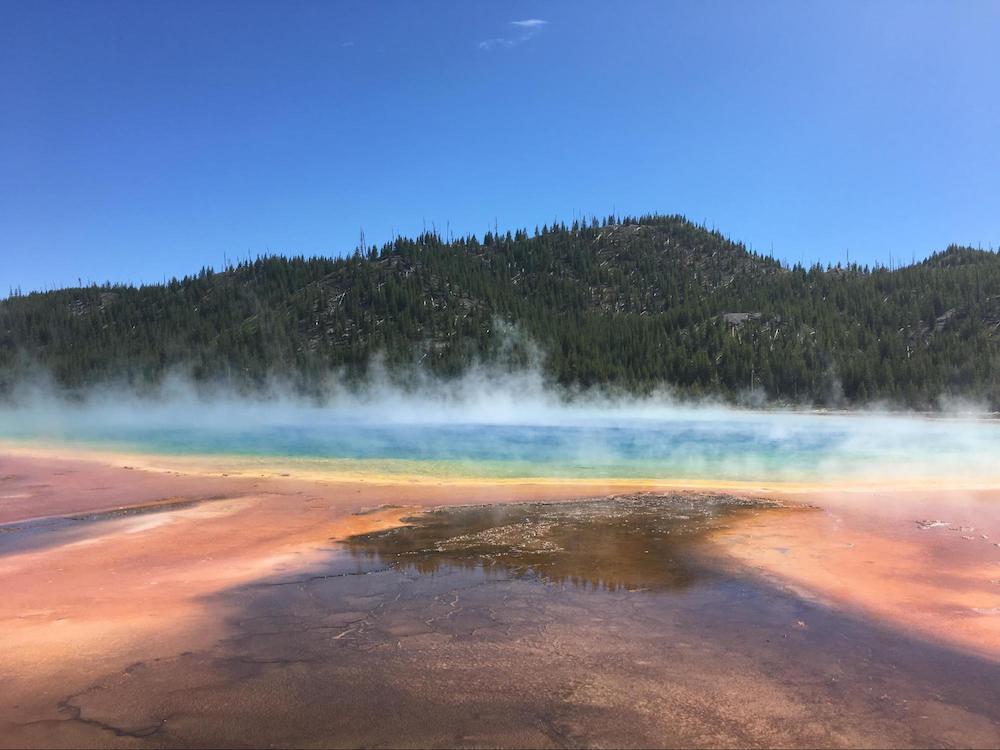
(595, 623)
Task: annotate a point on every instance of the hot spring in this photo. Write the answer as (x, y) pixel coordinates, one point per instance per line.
(635, 441)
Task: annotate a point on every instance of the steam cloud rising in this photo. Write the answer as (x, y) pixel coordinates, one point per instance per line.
(515, 424)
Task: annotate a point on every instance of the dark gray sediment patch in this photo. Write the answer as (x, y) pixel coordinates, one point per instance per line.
(51, 531)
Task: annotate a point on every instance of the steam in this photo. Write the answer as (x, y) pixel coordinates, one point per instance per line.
(503, 423)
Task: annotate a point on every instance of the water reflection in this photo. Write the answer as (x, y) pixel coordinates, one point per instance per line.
(630, 542)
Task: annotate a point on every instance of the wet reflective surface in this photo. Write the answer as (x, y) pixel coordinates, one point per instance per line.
(636, 542)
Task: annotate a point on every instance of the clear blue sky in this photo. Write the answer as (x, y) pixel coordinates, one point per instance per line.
(140, 140)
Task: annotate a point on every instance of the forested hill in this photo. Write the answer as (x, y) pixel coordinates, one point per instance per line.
(629, 302)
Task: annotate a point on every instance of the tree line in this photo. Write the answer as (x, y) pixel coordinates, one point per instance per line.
(631, 302)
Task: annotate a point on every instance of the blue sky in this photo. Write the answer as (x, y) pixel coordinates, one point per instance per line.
(144, 140)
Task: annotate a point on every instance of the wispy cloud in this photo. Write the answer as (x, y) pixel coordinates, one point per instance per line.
(523, 31)
(529, 23)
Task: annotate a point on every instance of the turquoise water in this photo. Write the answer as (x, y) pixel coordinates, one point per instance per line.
(694, 444)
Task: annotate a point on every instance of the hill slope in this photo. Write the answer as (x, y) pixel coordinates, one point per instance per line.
(631, 302)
